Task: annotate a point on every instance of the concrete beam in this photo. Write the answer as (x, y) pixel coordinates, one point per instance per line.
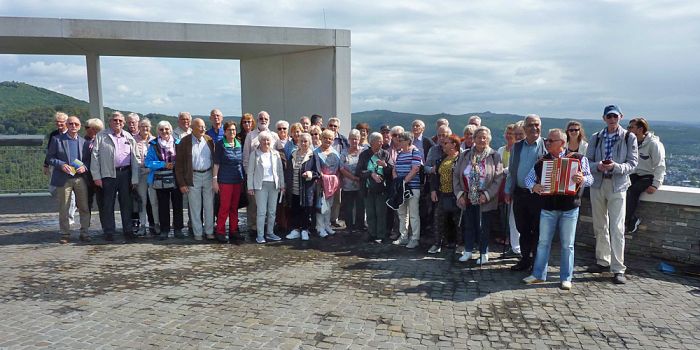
(95, 86)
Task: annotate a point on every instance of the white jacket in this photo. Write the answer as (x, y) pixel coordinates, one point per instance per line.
(255, 170)
(652, 159)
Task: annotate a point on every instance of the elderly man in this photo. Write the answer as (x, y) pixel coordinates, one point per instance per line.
(440, 122)
(526, 205)
(385, 130)
(113, 157)
(184, 120)
(67, 155)
(305, 123)
(193, 173)
(474, 120)
(558, 211)
(217, 125)
(92, 127)
(132, 123)
(60, 119)
(614, 152)
(506, 209)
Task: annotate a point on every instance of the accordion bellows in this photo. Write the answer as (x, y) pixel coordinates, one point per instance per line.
(557, 176)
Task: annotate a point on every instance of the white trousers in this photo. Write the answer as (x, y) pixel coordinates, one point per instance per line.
(201, 195)
(266, 199)
(608, 209)
(409, 211)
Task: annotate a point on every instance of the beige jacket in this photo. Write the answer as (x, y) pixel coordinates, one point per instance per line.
(254, 171)
(494, 176)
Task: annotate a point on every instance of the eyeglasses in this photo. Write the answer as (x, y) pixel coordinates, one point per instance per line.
(332, 126)
(163, 129)
(73, 123)
(118, 120)
(280, 129)
(573, 130)
(314, 134)
(611, 116)
(231, 130)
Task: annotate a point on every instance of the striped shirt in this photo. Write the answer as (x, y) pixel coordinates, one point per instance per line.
(405, 161)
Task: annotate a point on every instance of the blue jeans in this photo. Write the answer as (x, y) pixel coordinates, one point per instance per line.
(476, 224)
(549, 221)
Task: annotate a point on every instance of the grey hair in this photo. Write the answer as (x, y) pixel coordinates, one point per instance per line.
(404, 136)
(532, 116)
(95, 123)
(133, 116)
(446, 128)
(470, 127)
(374, 137)
(163, 123)
(306, 136)
(485, 130)
(116, 114)
(355, 133)
(282, 123)
(265, 135)
(334, 119)
(442, 121)
(474, 118)
(60, 115)
(148, 121)
(184, 114)
(419, 122)
(397, 129)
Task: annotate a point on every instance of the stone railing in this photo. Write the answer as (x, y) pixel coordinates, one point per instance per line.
(670, 228)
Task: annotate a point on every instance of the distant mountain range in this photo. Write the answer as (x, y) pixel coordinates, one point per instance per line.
(28, 109)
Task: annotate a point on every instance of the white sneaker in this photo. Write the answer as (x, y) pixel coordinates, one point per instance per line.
(483, 259)
(434, 249)
(566, 285)
(532, 280)
(330, 230)
(260, 240)
(400, 241)
(412, 244)
(304, 235)
(322, 233)
(466, 256)
(293, 235)
(459, 249)
(273, 237)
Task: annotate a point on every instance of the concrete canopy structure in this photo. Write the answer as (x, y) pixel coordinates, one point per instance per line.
(288, 72)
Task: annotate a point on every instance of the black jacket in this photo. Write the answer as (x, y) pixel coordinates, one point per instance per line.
(362, 172)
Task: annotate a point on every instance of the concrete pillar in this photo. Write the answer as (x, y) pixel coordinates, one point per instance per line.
(304, 83)
(95, 86)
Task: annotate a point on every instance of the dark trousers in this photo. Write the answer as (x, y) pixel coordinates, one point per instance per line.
(426, 208)
(447, 215)
(375, 206)
(149, 211)
(639, 185)
(476, 226)
(95, 193)
(526, 210)
(352, 202)
(165, 198)
(113, 188)
(300, 216)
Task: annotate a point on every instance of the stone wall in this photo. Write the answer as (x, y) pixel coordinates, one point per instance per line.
(670, 228)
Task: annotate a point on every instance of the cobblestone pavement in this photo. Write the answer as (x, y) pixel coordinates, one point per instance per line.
(337, 293)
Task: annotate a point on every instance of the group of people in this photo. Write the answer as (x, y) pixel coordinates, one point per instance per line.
(301, 178)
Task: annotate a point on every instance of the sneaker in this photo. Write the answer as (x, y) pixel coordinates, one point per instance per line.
(304, 235)
(141, 231)
(329, 230)
(378, 241)
(400, 241)
(198, 238)
(210, 236)
(596, 268)
(510, 253)
(178, 234)
(293, 235)
(532, 280)
(85, 238)
(434, 249)
(619, 278)
(260, 240)
(483, 259)
(466, 256)
(459, 249)
(322, 233)
(412, 244)
(635, 226)
(273, 237)
(63, 240)
(566, 285)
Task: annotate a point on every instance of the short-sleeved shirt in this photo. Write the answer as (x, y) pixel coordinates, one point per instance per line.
(407, 160)
(229, 157)
(350, 164)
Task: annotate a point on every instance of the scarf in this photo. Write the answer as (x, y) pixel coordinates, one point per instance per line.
(475, 176)
(167, 149)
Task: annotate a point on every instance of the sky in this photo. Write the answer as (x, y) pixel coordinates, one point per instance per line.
(561, 59)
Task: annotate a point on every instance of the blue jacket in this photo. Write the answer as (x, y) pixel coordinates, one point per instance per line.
(57, 156)
(230, 162)
(153, 158)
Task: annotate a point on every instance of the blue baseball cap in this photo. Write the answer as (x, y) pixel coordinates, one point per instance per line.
(611, 109)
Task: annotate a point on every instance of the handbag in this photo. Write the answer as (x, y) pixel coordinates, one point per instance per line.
(163, 179)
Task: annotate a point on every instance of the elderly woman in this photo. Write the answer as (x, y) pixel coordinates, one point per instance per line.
(327, 164)
(315, 132)
(295, 130)
(228, 180)
(300, 177)
(576, 138)
(476, 181)
(352, 202)
(265, 182)
(247, 124)
(441, 192)
(364, 133)
(282, 128)
(160, 159)
(468, 139)
(406, 168)
(373, 169)
(146, 194)
(506, 209)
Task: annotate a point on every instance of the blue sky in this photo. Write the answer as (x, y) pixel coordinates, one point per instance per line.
(553, 58)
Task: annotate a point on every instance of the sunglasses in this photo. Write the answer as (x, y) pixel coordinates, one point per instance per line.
(78, 124)
(611, 116)
(332, 126)
(163, 129)
(314, 134)
(280, 129)
(574, 130)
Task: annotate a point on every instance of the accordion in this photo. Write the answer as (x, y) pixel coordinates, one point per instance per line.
(557, 176)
